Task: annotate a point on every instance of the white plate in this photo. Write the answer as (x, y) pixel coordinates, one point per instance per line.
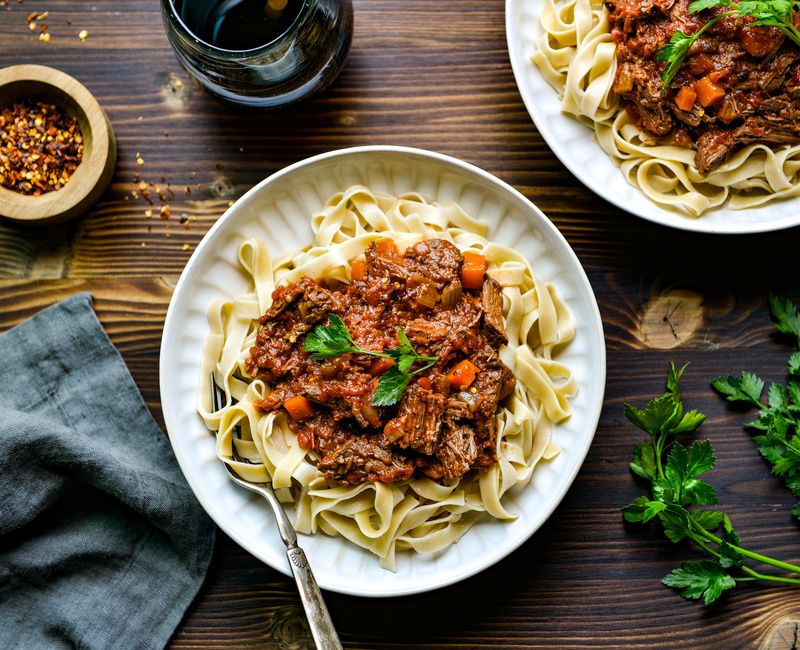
(574, 145)
(278, 210)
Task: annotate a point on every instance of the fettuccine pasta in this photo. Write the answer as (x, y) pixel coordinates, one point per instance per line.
(418, 514)
(576, 55)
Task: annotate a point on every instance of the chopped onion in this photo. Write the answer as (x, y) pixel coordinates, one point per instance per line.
(427, 296)
(452, 294)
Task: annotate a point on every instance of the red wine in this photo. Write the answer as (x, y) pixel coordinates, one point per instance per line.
(238, 24)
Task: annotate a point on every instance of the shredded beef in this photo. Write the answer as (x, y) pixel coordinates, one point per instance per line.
(757, 68)
(418, 422)
(492, 305)
(432, 431)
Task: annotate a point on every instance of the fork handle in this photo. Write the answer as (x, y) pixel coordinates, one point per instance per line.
(319, 620)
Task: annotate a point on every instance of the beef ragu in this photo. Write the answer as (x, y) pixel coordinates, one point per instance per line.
(444, 424)
(738, 85)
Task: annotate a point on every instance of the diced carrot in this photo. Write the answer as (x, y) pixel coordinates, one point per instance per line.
(708, 92)
(425, 383)
(685, 98)
(299, 407)
(717, 75)
(386, 248)
(473, 270)
(381, 365)
(462, 374)
(358, 269)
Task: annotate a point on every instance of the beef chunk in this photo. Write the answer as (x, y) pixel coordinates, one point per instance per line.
(355, 459)
(493, 382)
(714, 146)
(492, 305)
(436, 259)
(282, 297)
(315, 304)
(419, 420)
(449, 330)
(455, 455)
(385, 266)
(295, 310)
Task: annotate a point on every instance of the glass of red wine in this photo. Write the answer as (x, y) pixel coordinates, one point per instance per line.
(261, 53)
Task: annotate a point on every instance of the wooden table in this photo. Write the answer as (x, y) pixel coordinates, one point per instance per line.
(431, 74)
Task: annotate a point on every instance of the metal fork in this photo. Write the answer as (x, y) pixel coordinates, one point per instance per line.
(319, 620)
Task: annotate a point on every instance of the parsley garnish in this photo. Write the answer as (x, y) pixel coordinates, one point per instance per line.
(768, 13)
(778, 421)
(673, 471)
(335, 339)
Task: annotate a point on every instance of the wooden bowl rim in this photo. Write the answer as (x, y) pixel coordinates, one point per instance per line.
(65, 201)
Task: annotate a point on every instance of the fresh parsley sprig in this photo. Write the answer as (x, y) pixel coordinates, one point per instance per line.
(778, 422)
(335, 339)
(673, 471)
(767, 13)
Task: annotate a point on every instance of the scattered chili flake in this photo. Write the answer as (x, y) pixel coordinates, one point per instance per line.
(45, 37)
(148, 213)
(32, 16)
(40, 147)
(83, 35)
(139, 161)
(142, 186)
(186, 247)
(166, 212)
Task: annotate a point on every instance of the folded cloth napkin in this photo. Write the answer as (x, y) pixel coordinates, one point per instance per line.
(102, 543)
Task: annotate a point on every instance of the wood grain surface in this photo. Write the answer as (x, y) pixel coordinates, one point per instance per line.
(434, 75)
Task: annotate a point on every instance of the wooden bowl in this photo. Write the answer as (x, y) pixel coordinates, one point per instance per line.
(93, 174)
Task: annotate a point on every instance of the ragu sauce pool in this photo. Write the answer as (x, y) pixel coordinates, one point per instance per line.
(238, 24)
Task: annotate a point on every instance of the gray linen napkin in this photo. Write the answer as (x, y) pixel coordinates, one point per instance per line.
(102, 543)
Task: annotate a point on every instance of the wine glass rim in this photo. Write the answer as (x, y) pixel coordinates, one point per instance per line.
(170, 4)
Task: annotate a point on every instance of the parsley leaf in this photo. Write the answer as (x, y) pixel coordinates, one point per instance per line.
(778, 422)
(746, 388)
(785, 318)
(331, 341)
(644, 460)
(673, 470)
(335, 339)
(674, 52)
(704, 579)
(642, 510)
(794, 364)
(391, 386)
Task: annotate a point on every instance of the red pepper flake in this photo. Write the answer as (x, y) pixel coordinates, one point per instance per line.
(40, 147)
(166, 212)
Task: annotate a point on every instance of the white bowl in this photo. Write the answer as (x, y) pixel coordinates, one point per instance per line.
(574, 145)
(278, 210)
